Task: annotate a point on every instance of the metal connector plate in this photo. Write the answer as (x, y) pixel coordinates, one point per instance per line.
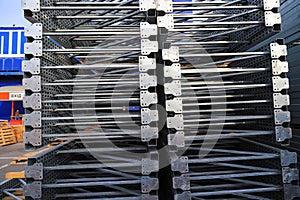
(148, 133)
(149, 116)
(33, 101)
(34, 119)
(148, 30)
(146, 63)
(174, 105)
(283, 134)
(32, 66)
(176, 139)
(35, 171)
(33, 138)
(33, 84)
(148, 47)
(280, 84)
(278, 50)
(166, 21)
(147, 98)
(280, 100)
(171, 54)
(147, 81)
(34, 48)
(281, 117)
(34, 31)
(149, 166)
(176, 122)
(279, 67)
(149, 184)
(180, 165)
(182, 182)
(173, 88)
(173, 71)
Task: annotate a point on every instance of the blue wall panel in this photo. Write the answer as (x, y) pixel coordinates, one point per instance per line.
(12, 42)
(5, 109)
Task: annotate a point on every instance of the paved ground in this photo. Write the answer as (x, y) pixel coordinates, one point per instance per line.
(8, 153)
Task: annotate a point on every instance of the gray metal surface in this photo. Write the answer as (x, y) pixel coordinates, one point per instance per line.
(158, 99)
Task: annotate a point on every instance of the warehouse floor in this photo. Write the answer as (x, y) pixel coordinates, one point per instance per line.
(7, 154)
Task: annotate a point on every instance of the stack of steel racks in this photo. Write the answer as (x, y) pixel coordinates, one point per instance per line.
(156, 99)
(82, 80)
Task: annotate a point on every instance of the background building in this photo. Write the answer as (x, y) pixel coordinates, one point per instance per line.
(12, 41)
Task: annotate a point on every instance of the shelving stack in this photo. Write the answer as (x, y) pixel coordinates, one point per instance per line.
(155, 99)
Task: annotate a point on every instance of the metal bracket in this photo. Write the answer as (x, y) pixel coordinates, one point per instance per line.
(280, 84)
(173, 88)
(148, 98)
(278, 50)
(149, 184)
(272, 19)
(33, 138)
(148, 30)
(171, 54)
(32, 5)
(283, 134)
(166, 21)
(149, 116)
(149, 166)
(271, 4)
(281, 100)
(161, 5)
(33, 84)
(149, 133)
(281, 117)
(290, 174)
(174, 105)
(147, 81)
(183, 196)
(33, 190)
(32, 66)
(146, 5)
(146, 63)
(164, 5)
(148, 46)
(173, 71)
(35, 171)
(180, 165)
(34, 101)
(288, 158)
(149, 197)
(35, 31)
(176, 122)
(34, 48)
(291, 191)
(182, 182)
(34, 119)
(280, 67)
(176, 139)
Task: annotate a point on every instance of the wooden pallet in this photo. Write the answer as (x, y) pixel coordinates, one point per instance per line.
(18, 130)
(7, 136)
(3, 123)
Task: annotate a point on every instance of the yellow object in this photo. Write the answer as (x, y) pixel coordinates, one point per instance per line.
(10, 175)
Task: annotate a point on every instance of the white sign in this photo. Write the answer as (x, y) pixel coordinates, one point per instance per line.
(16, 96)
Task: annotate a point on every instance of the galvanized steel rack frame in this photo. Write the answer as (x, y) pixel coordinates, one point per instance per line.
(157, 81)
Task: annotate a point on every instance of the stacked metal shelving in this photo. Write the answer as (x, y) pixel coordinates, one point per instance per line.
(156, 99)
